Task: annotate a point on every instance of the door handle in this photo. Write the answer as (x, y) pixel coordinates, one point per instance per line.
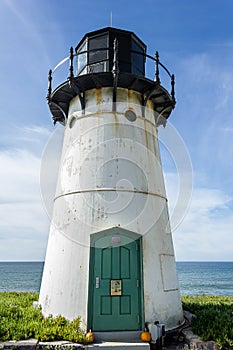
(97, 282)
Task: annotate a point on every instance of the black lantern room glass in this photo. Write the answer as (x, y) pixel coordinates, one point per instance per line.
(95, 52)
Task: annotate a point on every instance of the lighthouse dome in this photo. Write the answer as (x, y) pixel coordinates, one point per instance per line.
(95, 52)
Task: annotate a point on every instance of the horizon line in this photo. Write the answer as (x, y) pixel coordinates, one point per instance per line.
(42, 261)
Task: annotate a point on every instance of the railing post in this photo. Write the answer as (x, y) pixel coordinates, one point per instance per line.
(115, 72)
(49, 84)
(115, 69)
(173, 87)
(71, 74)
(157, 67)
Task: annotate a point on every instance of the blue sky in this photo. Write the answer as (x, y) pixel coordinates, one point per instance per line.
(195, 41)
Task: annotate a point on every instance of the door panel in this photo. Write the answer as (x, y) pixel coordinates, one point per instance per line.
(120, 262)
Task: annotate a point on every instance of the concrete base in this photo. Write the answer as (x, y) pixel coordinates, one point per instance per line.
(33, 344)
(120, 346)
(126, 336)
(119, 340)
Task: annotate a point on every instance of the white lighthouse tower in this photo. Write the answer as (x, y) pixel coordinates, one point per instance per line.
(110, 257)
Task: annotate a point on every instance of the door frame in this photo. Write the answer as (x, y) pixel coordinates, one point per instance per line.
(95, 237)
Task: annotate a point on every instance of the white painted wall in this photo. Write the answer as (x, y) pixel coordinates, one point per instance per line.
(110, 175)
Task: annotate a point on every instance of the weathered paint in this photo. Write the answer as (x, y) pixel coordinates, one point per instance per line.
(110, 176)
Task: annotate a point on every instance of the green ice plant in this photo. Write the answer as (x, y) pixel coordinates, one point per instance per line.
(214, 318)
(20, 320)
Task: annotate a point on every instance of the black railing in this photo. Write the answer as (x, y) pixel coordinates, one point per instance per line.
(71, 75)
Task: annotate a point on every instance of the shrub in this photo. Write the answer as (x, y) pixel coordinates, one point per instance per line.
(20, 320)
(214, 318)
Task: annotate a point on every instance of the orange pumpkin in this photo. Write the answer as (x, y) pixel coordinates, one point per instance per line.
(146, 336)
(90, 337)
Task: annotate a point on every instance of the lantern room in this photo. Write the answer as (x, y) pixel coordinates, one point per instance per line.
(95, 52)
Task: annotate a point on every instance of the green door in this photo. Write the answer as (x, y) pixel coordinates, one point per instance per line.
(116, 284)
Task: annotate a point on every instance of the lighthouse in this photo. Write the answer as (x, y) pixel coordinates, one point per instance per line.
(110, 257)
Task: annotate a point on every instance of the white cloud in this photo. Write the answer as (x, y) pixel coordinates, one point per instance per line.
(205, 81)
(227, 129)
(40, 130)
(206, 231)
(204, 117)
(22, 218)
(23, 222)
(205, 92)
(19, 176)
(22, 138)
(35, 135)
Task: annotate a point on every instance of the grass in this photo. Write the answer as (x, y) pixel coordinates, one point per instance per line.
(214, 318)
(20, 320)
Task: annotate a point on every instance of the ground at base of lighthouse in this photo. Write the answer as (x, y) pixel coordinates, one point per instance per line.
(173, 344)
(34, 344)
(182, 341)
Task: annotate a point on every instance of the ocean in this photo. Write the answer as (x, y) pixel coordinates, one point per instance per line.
(195, 278)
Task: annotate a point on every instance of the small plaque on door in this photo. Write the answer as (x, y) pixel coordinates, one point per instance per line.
(116, 240)
(116, 287)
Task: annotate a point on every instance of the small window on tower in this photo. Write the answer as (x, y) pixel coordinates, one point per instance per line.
(130, 115)
(98, 49)
(82, 59)
(138, 60)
